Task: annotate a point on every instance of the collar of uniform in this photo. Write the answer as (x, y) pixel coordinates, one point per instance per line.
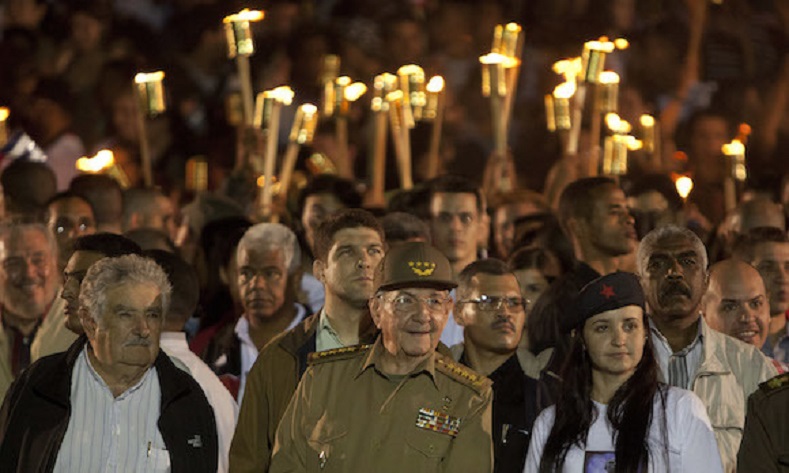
(428, 365)
(660, 338)
(325, 324)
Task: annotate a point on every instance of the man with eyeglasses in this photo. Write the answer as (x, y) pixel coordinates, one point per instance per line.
(492, 312)
(396, 405)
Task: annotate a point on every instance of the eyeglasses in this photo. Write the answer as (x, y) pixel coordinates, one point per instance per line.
(405, 302)
(496, 302)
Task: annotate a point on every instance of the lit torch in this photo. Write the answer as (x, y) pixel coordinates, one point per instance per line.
(150, 98)
(103, 163)
(734, 154)
(301, 133)
(276, 98)
(3, 126)
(240, 45)
(434, 110)
(383, 85)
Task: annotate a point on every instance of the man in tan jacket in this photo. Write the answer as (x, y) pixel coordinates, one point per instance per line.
(397, 405)
(348, 247)
(721, 370)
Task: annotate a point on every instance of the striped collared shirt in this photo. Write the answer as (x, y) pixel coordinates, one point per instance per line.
(112, 434)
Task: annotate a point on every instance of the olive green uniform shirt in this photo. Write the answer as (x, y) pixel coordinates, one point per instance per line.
(765, 438)
(347, 416)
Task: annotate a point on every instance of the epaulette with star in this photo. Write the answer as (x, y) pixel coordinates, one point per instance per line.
(775, 384)
(462, 373)
(335, 354)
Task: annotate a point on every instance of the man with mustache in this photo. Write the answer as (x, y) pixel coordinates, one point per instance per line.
(767, 250)
(114, 400)
(736, 304)
(492, 312)
(28, 286)
(267, 272)
(348, 246)
(396, 405)
(722, 371)
(57, 333)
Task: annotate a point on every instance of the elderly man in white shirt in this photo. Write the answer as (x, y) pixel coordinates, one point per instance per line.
(115, 403)
(186, 294)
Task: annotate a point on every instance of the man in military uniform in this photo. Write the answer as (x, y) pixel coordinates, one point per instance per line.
(765, 439)
(396, 405)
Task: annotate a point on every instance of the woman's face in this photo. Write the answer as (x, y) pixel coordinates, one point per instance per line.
(532, 284)
(615, 340)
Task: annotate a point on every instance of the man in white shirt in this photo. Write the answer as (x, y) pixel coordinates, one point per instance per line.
(722, 371)
(268, 259)
(186, 294)
(115, 403)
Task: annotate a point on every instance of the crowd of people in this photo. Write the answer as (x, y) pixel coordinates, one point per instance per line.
(510, 311)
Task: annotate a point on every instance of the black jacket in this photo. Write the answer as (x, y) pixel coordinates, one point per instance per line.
(36, 411)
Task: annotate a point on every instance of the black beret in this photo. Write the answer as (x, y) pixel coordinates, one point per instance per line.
(605, 293)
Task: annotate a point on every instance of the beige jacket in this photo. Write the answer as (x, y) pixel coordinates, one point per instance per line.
(729, 372)
(52, 336)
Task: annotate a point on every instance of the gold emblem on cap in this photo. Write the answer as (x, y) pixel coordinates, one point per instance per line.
(422, 268)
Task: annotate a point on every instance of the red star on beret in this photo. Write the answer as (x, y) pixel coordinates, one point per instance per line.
(607, 291)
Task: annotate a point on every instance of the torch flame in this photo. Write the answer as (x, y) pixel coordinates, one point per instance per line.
(735, 148)
(632, 143)
(603, 45)
(436, 84)
(98, 163)
(621, 43)
(609, 77)
(282, 94)
(309, 109)
(4, 114)
(684, 185)
(245, 15)
(612, 121)
(142, 77)
(647, 121)
(564, 91)
(354, 91)
(496, 58)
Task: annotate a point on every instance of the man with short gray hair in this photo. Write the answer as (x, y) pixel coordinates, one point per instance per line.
(721, 370)
(116, 391)
(268, 262)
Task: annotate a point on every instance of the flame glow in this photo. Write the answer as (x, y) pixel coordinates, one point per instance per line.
(436, 84)
(609, 77)
(354, 91)
(282, 94)
(647, 121)
(143, 77)
(496, 58)
(245, 15)
(4, 114)
(684, 185)
(564, 91)
(735, 148)
(98, 163)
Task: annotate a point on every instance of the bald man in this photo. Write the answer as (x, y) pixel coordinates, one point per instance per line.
(736, 303)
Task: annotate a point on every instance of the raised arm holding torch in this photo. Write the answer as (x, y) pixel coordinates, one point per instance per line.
(150, 98)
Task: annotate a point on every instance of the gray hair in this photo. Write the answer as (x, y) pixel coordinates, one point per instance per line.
(110, 272)
(662, 233)
(9, 231)
(270, 237)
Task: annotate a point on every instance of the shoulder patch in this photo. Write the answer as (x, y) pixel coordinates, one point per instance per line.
(461, 373)
(341, 353)
(777, 383)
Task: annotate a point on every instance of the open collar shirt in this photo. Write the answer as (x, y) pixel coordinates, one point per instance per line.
(678, 368)
(112, 434)
(249, 352)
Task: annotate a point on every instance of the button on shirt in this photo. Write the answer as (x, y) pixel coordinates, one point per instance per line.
(677, 369)
(249, 352)
(112, 434)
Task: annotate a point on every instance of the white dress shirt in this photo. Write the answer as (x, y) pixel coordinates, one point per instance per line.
(225, 407)
(249, 352)
(112, 434)
(677, 369)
